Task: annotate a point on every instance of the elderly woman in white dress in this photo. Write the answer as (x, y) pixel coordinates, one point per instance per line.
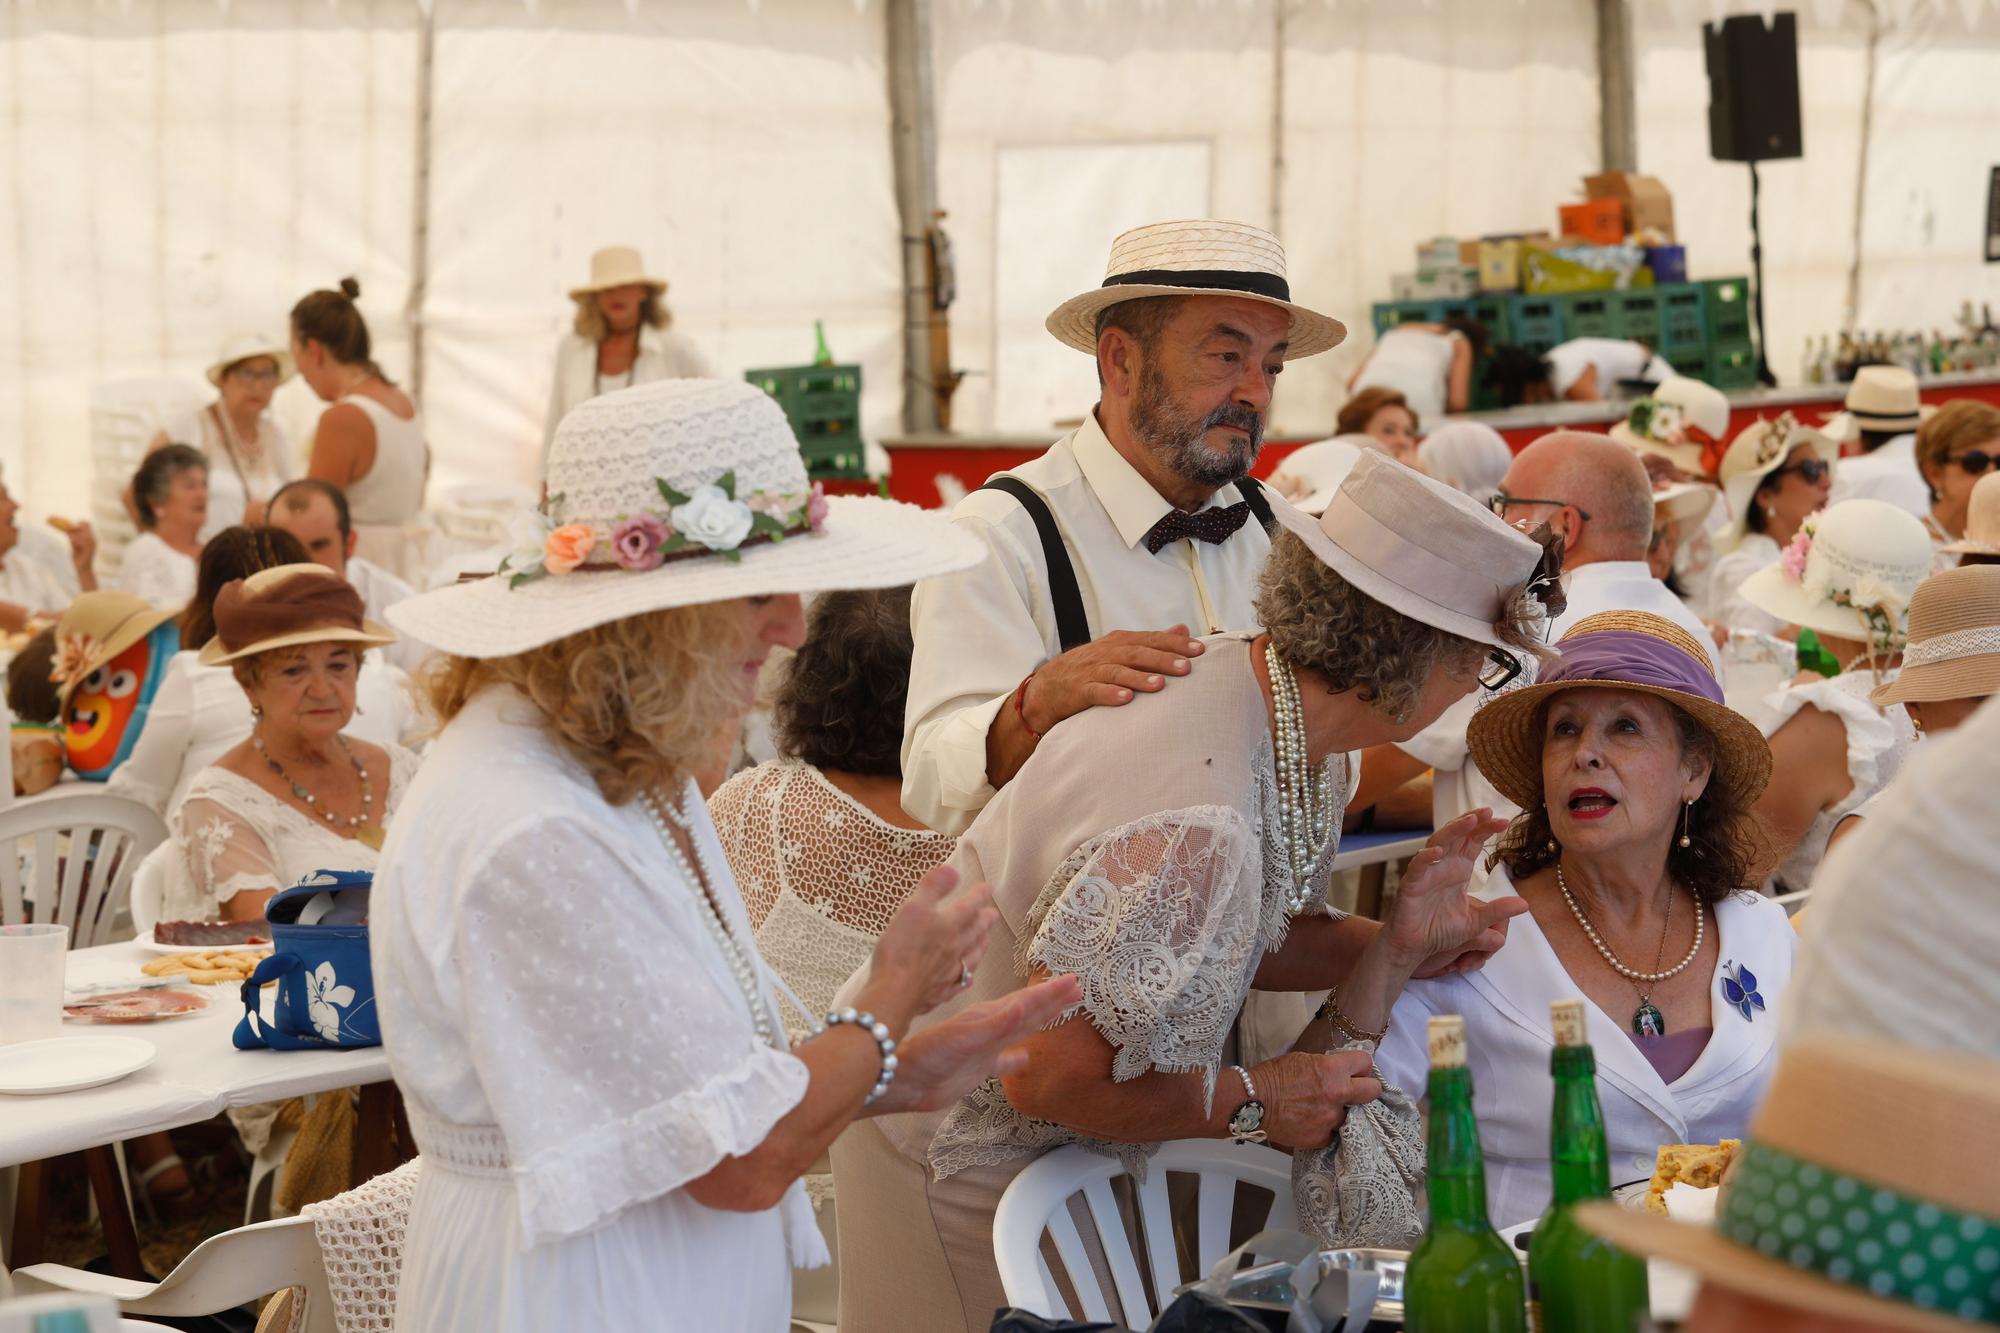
(1637, 855)
(248, 455)
(1848, 576)
(297, 795)
(1774, 476)
(170, 497)
(1175, 855)
(623, 336)
(613, 1120)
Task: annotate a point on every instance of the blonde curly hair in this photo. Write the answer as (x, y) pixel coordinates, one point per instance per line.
(639, 703)
(1318, 621)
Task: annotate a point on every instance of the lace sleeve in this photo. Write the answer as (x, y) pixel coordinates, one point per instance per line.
(225, 853)
(1159, 919)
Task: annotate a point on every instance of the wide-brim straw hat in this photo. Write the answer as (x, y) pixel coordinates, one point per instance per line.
(1682, 501)
(1618, 650)
(1204, 257)
(247, 347)
(1982, 519)
(95, 628)
(1684, 422)
(1880, 398)
(1866, 1190)
(617, 266)
(1758, 450)
(1859, 554)
(289, 606)
(1423, 549)
(1953, 650)
(678, 493)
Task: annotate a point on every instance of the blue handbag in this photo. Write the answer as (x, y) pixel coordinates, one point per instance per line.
(326, 988)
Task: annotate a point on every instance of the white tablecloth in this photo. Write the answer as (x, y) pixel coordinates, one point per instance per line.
(197, 1074)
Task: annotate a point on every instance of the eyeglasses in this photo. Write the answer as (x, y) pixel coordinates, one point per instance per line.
(255, 376)
(1976, 461)
(1812, 471)
(1500, 502)
(1499, 669)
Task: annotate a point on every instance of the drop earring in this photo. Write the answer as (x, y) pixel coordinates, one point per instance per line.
(1686, 841)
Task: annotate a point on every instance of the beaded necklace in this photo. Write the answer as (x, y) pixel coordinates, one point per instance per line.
(742, 962)
(1305, 794)
(358, 825)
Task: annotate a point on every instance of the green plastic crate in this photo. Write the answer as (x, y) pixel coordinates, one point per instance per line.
(1536, 322)
(1636, 314)
(1496, 313)
(1692, 363)
(1726, 309)
(1732, 365)
(1683, 325)
(1388, 314)
(1589, 315)
(832, 455)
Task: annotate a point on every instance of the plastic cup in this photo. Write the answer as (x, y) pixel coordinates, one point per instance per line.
(31, 982)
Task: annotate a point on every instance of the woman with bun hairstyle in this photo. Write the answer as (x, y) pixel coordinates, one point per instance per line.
(370, 442)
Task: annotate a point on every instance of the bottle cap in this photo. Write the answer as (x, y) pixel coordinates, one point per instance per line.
(1566, 1017)
(1447, 1034)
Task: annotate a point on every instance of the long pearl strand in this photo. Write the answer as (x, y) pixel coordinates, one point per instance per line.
(1305, 793)
(742, 963)
(1612, 958)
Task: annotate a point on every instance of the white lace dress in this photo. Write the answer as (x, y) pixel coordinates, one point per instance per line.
(233, 836)
(1878, 740)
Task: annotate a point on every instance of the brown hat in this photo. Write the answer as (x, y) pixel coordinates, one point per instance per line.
(1864, 1191)
(1953, 650)
(284, 607)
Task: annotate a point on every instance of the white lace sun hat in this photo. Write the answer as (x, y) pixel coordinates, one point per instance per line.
(677, 493)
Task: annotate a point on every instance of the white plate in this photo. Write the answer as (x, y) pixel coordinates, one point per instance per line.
(145, 941)
(67, 1064)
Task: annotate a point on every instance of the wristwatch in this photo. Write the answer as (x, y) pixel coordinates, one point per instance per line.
(1247, 1125)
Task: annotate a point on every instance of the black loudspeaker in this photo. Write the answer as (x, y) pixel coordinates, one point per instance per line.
(1753, 89)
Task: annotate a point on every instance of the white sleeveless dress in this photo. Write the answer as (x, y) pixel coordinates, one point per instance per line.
(1878, 740)
(386, 501)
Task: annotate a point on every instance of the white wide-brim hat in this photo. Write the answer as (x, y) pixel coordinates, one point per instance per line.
(1882, 398)
(246, 347)
(1682, 501)
(1860, 554)
(1422, 548)
(1690, 404)
(1204, 257)
(702, 480)
(617, 266)
(1312, 472)
(1758, 450)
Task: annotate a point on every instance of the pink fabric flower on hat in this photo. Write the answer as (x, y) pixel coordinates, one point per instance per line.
(816, 507)
(1793, 558)
(567, 547)
(635, 542)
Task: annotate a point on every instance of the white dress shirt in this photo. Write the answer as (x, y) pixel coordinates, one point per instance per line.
(379, 591)
(27, 582)
(1605, 585)
(1506, 1009)
(1889, 473)
(978, 633)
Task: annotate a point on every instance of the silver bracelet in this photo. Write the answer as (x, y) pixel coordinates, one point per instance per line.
(880, 1032)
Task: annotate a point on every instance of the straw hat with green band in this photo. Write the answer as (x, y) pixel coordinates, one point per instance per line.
(1867, 1190)
(96, 628)
(287, 607)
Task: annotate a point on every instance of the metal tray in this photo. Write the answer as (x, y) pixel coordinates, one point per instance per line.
(1268, 1285)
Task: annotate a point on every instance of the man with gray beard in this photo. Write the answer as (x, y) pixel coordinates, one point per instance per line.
(1128, 538)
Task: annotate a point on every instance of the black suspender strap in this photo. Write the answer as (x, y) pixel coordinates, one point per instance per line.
(1065, 598)
(1252, 492)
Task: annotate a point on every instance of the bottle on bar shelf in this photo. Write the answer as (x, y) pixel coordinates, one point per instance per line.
(1577, 1282)
(1462, 1278)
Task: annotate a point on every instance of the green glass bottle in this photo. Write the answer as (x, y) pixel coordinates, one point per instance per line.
(1462, 1277)
(822, 354)
(1579, 1283)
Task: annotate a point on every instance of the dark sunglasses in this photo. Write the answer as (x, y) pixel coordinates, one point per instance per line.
(1499, 503)
(1976, 461)
(1499, 669)
(1812, 471)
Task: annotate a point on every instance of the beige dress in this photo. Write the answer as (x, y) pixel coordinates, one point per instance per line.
(1139, 849)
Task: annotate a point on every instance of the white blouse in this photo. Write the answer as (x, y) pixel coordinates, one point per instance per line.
(663, 355)
(235, 837)
(1506, 1009)
(1878, 740)
(574, 1051)
(1726, 602)
(157, 572)
(233, 480)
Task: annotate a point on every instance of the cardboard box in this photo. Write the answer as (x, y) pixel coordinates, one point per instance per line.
(1452, 284)
(1437, 255)
(1500, 264)
(1647, 202)
(1468, 253)
(1594, 221)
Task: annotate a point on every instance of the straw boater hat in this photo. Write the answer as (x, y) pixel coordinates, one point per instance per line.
(1850, 571)
(1758, 450)
(1880, 398)
(248, 346)
(1865, 1191)
(677, 493)
(1954, 645)
(1618, 650)
(1421, 548)
(617, 266)
(1198, 258)
(1982, 519)
(1683, 421)
(96, 628)
(287, 606)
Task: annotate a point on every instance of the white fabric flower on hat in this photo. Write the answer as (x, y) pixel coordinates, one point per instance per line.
(527, 537)
(713, 518)
(1870, 591)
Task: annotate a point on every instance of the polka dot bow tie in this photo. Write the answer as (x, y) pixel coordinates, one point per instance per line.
(1215, 526)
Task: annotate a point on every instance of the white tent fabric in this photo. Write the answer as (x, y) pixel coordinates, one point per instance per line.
(181, 169)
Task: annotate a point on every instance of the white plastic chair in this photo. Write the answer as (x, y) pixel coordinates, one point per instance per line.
(86, 849)
(1037, 1204)
(224, 1271)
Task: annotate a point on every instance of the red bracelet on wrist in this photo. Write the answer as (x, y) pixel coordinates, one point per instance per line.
(1020, 695)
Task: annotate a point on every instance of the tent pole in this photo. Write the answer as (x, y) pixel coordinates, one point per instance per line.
(1617, 116)
(913, 141)
(420, 204)
(1853, 311)
(1279, 13)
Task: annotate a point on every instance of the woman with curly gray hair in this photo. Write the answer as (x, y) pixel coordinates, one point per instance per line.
(1175, 854)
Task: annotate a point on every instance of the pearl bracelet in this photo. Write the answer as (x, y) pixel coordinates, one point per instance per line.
(880, 1032)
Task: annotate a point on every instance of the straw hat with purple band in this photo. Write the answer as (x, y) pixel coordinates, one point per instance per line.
(1881, 398)
(288, 606)
(1198, 258)
(1617, 650)
(1867, 1190)
(1953, 651)
(1422, 548)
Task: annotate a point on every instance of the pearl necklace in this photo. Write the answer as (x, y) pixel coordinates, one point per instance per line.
(1305, 794)
(742, 962)
(1612, 958)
